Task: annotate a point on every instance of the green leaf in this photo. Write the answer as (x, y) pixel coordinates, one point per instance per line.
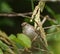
(50, 10)
(17, 42)
(57, 17)
(12, 37)
(1, 52)
(5, 7)
(5, 47)
(26, 19)
(24, 40)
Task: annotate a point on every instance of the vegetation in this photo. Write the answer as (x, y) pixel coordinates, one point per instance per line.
(44, 16)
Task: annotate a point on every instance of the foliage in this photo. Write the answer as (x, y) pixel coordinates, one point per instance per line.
(21, 39)
(19, 43)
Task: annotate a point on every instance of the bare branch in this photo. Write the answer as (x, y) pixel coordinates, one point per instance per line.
(25, 15)
(16, 14)
(51, 26)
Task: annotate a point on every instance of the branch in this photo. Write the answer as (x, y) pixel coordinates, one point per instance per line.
(26, 16)
(16, 14)
(51, 26)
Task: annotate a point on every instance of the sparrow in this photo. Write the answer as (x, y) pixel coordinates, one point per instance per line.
(32, 33)
(29, 30)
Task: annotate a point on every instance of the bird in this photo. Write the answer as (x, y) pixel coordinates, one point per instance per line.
(29, 30)
(33, 34)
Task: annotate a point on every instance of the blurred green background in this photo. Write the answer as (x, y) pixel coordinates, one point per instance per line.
(12, 25)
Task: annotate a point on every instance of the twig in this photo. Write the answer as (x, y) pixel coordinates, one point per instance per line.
(36, 17)
(44, 19)
(24, 15)
(40, 49)
(48, 18)
(51, 26)
(14, 14)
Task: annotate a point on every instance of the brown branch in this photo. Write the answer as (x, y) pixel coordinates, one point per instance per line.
(15, 14)
(25, 15)
(48, 18)
(40, 49)
(51, 26)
